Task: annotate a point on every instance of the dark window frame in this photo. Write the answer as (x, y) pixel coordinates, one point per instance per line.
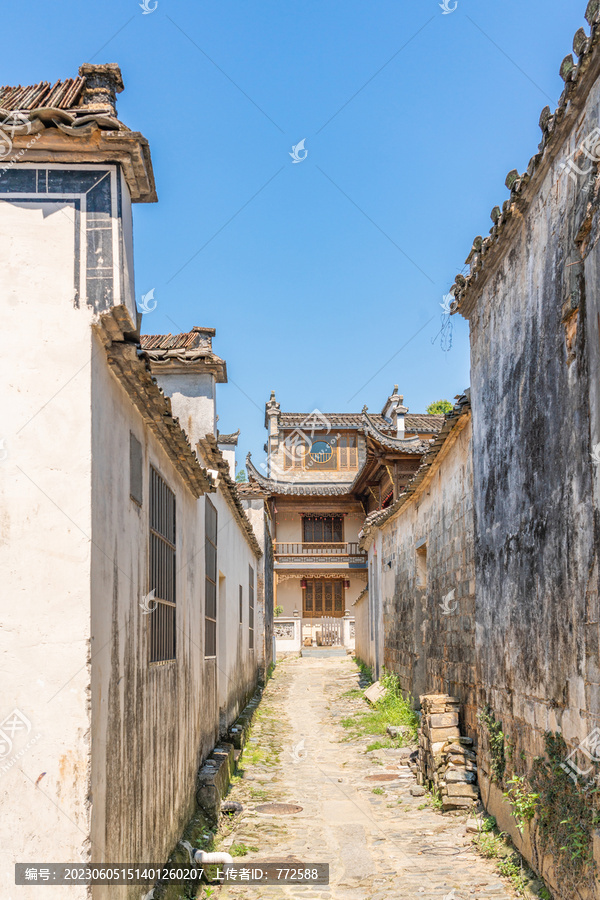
(315, 529)
(136, 470)
(241, 605)
(250, 607)
(162, 570)
(211, 574)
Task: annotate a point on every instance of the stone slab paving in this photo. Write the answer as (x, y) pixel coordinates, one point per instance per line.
(377, 845)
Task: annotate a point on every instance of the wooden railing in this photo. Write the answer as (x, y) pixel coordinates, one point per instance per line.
(304, 548)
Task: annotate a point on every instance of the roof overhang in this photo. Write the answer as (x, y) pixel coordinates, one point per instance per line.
(56, 136)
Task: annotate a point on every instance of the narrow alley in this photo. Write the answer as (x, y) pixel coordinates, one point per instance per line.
(380, 841)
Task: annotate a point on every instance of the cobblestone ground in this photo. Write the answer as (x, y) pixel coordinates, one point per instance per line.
(377, 845)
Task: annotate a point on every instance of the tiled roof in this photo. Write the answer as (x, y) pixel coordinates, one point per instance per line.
(228, 438)
(406, 445)
(173, 351)
(298, 489)
(245, 489)
(83, 108)
(369, 426)
(196, 339)
(578, 78)
(376, 519)
(413, 422)
(60, 95)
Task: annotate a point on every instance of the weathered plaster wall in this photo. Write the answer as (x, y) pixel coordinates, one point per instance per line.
(102, 765)
(152, 724)
(534, 363)
(424, 552)
(537, 538)
(45, 516)
(193, 399)
(262, 525)
(360, 609)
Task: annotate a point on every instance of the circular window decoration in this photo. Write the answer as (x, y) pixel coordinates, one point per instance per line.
(321, 451)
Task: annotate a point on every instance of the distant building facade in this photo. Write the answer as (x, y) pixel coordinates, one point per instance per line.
(324, 472)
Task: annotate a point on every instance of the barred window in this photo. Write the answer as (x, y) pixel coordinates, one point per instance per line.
(251, 607)
(162, 569)
(210, 599)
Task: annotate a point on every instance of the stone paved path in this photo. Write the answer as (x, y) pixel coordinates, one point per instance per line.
(378, 846)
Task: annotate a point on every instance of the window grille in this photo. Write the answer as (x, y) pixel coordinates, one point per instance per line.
(162, 570)
(210, 598)
(251, 607)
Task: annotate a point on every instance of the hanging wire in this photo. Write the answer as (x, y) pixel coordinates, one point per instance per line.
(445, 333)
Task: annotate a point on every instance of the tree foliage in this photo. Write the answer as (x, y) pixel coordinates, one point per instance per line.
(439, 407)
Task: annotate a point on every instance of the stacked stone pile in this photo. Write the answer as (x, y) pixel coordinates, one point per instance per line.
(446, 760)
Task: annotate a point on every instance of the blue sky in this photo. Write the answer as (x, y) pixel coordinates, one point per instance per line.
(323, 278)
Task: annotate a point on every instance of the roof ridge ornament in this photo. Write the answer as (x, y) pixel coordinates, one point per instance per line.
(102, 84)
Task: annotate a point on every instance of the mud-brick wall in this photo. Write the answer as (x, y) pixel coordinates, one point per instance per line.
(534, 343)
(430, 547)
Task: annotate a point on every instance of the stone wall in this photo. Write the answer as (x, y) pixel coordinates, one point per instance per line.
(532, 301)
(423, 553)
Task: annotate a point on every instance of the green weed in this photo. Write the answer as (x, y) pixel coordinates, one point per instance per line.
(242, 850)
(392, 709)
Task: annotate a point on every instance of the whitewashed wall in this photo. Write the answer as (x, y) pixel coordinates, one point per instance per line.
(103, 766)
(45, 549)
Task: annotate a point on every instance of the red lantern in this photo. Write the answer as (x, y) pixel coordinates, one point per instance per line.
(303, 583)
(347, 583)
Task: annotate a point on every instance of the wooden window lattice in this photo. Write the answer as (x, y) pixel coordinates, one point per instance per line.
(323, 597)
